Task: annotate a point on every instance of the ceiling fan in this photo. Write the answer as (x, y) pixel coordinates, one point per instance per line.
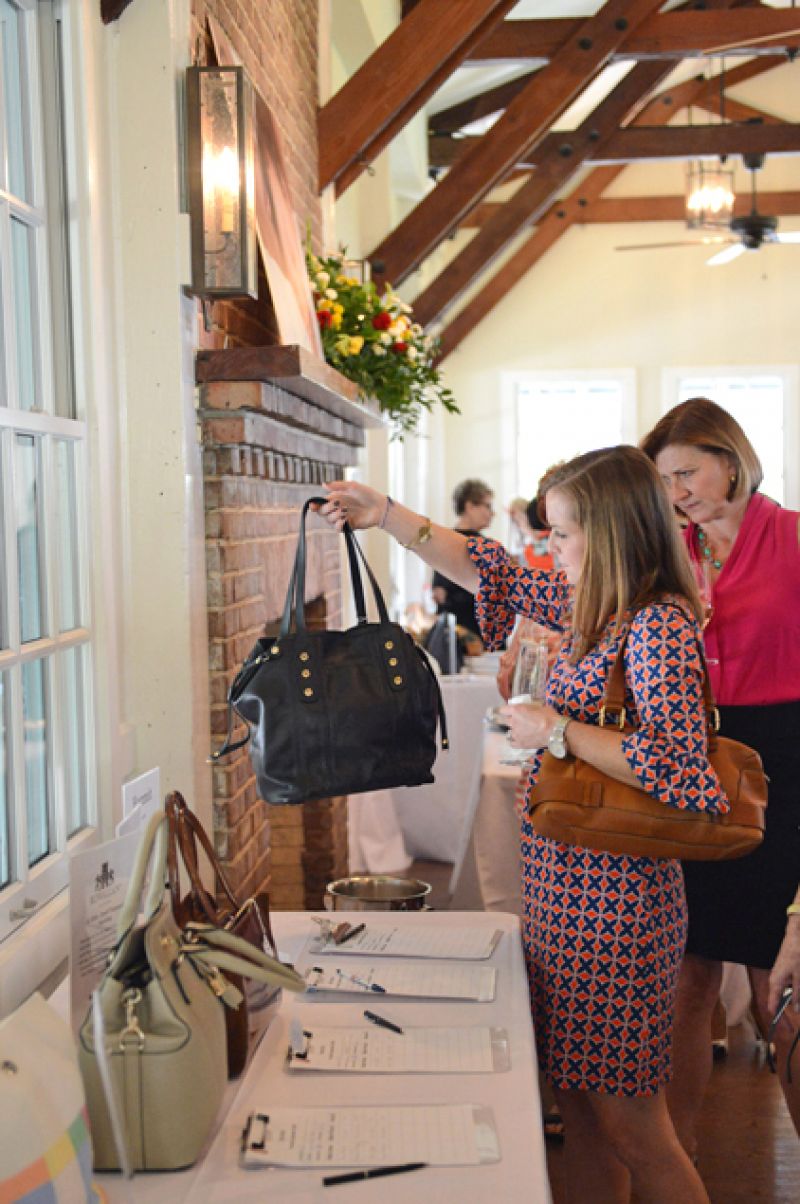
(747, 233)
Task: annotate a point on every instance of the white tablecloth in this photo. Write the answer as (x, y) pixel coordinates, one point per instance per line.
(521, 1174)
(428, 822)
(495, 831)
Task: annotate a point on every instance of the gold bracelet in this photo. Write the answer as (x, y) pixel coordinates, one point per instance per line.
(422, 536)
(793, 909)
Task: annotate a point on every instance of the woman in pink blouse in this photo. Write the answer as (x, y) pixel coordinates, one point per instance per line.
(746, 555)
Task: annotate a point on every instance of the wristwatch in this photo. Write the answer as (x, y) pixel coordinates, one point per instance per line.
(557, 744)
(422, 536)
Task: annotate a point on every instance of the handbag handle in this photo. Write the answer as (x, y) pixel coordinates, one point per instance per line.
(185, 830)
(614, 698)
(152, 852)
(295, 595)
(225, 951)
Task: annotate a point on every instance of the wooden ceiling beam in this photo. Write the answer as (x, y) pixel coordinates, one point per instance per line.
(655, 208)
(396, 80)
(734, 110)
(551, 228)
(493, 100)
(522, 126)
(675, 35)
(526, 206)
(698, 141)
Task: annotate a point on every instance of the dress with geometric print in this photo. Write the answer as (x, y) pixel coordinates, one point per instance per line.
(604, 933)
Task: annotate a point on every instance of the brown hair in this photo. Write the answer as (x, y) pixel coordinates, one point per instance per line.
(634, 554)
(702, 423)
(471, 490)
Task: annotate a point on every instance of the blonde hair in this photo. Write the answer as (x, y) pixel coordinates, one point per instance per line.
(701, 423)
(634, 555)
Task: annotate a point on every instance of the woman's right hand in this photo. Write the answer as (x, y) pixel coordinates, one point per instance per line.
(350, 502)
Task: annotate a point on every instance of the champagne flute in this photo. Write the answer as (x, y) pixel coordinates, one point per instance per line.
(702, 576)
(529, 684)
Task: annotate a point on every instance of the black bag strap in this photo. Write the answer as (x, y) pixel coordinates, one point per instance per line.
(295, 595)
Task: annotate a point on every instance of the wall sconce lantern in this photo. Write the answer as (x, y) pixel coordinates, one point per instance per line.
(220, 147)
(709, 196)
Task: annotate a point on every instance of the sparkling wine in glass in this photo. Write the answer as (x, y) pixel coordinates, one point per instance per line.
(528, 685)
(702, 576)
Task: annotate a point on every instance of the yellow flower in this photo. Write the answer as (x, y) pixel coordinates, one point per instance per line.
(324, 304)
(336, 318)
(356, 343)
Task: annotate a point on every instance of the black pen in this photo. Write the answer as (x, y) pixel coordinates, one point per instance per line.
(349, 935)
(375, 1173)
(382, 1022)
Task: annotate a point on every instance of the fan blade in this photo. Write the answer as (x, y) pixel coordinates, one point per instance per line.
(726, 255)
(789, 237)
(651, 246)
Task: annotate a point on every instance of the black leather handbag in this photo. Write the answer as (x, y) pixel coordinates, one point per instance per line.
(336, 712)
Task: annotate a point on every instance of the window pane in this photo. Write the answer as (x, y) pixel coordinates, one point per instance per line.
(72, 704)
(27, 516)
(11, 34)
(34, 726)
(757, 404)
(5, 819)
(590, 415)
(68, 576)
(22, 263)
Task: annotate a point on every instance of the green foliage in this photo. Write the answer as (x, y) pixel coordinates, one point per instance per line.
(372, 339)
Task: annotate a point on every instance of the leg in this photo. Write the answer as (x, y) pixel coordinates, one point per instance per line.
(592, 1170)
(784, 1035)
(645, 1142)
(698, 991)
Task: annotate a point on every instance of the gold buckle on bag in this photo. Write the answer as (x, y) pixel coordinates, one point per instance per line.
(620, 720)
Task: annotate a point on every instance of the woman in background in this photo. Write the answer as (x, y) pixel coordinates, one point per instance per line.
(603, 934)
(745, 552)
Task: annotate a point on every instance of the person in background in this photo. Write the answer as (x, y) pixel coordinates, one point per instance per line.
(745, 552)
(520, 535)
(473, 502)
(597, 927)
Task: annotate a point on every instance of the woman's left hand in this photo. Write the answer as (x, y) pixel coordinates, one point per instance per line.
(786, 971)
(529, 723)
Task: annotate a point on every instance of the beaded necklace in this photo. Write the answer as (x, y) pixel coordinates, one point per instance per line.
(705, 548)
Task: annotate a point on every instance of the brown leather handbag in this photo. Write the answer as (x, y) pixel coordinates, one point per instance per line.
(575, 803)
(248, 920)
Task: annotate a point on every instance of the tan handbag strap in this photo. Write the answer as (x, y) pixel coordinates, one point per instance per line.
(612, 711)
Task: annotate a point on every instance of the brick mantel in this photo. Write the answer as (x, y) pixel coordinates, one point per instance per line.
(275, 422)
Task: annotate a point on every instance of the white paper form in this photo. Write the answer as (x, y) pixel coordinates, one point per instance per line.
(414, 1051)
(438, 1134)
(434, 980)
(466, 944)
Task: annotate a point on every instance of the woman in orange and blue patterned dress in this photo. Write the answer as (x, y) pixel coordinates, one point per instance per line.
(603, 934)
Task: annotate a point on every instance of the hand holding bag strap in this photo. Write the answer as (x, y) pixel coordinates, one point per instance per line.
(295, 595)
(153, 852)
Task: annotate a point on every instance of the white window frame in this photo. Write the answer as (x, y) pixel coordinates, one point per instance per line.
(26, 903)
(790, 375)
(512, 382)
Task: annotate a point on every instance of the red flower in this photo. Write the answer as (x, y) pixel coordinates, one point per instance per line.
(382, 321)
(324, 317)
(399, 348)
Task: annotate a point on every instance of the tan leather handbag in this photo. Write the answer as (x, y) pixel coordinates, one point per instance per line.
(248, 919)
(575, 803)
(162, 999)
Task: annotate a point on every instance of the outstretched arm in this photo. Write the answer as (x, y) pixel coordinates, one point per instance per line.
(361, 507)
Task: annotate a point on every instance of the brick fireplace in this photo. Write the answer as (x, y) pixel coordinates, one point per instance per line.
(276, 424)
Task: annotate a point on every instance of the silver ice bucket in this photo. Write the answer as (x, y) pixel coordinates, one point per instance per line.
(377, 892)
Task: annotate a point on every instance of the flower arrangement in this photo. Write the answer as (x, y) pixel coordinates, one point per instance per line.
(371, 339)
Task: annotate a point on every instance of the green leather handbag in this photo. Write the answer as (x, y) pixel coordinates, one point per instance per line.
(162, 1000)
